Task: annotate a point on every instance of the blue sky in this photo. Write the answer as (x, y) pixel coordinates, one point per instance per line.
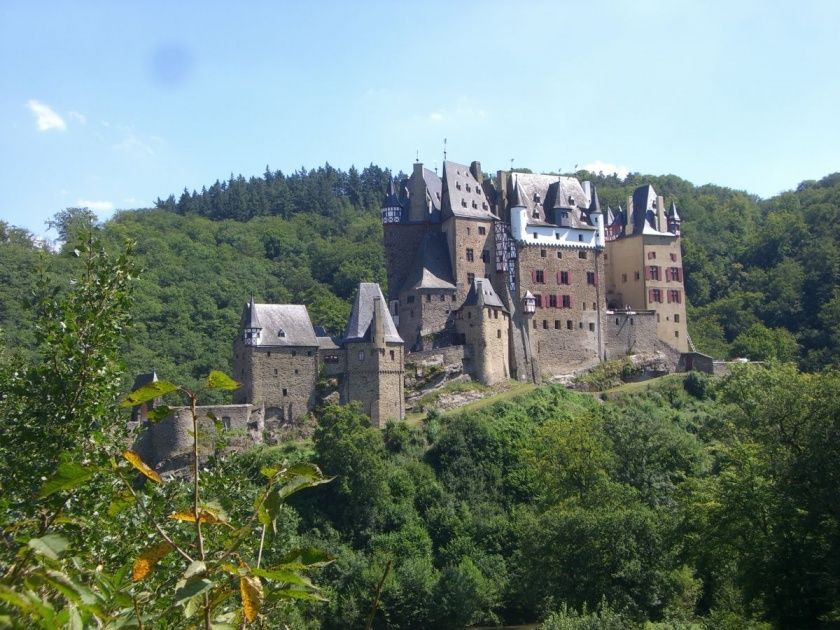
(112, 104)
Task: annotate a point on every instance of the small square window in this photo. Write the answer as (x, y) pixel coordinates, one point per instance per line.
(582, 255)
(428, 297)
(569, 324)
(297, 371)
(542, 253)
(591, 327)
(545, 324)
(556, 324)
(285, 392)
(559, 254)
(482, 230)
(676, 319)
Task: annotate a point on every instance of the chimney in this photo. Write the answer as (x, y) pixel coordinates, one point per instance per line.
(377, 326)
(475, 169)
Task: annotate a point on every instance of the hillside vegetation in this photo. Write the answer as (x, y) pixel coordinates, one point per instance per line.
(762, 276)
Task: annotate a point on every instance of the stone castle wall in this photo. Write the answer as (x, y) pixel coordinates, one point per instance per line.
(470, 234)
(486, 331)
(281, 378)
(375, 377)
(630, 332)
(402, 240)
(563, 338)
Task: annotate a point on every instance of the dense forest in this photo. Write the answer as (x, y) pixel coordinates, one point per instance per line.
(695, 503)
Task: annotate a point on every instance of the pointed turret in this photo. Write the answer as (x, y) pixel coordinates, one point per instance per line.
(518, 212)
(674, 220)
(610, 218)
(391, 208)
(596, 218)
(252, 329)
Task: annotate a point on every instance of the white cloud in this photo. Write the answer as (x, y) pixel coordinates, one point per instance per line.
(45, 117)
(80, 118)
(436, 117)
(606, 168)
(134, 145)
(100, 206)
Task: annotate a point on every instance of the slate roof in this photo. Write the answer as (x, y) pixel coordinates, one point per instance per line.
(546, 195)
(672, 213)
(464, 195)
(482, 294)
(390, 200)
(431, 269)
(644, 199)
(292, 319)
(358, 327)
(434, 187)
(144, 379)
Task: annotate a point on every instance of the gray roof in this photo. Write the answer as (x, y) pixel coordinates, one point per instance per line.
(326, 343)
(464, 194)
(482, 294)
(673, 214)
(432, 269)
(391, 200)
(644, 199)
(282, 324)
(144, 379)
(544, 195)
(361, 317)
(434, 188)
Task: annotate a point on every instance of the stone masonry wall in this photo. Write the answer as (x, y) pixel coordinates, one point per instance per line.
(466, 234)
(630, 333)
(486, 333)
(402, 240)
(563, 338)
(281, 378)
(374, 376)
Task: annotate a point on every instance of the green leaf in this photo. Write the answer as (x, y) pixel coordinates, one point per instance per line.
(306, 557)
(69, 475)
(220, 380)
(120, 503)
(191, 588)
(50, 546)
(147, 393)
(197, 567)
(296, 484)
(280, 575)
(72, 590)
(158, 413)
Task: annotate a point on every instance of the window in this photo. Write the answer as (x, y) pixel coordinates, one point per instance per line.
(651, 255)
(269, 355)
(559, 254)
(556, 324)
(539, 276)
(538, 300)
(485, 255)
(297, 371)
(580, 325)
(464, 204)
(392, 355)
(624, 277)
(309, 353)
(285, 392)
(655, 295)
(275, 371)
(443, 297)
(557, 235)
(428, 297)
(470, 256)
(635, 275)
(673, 257)
(409, 299)
(542, 253)
(676, 333)
(674, 274)
(569, 324)
(468, 229)
(545, 324)
(499, 334)
(535, 324)
(590, 277)
(281, 333)
(653, 272)
(582, 255)
(674, 296)
(676, 319)
(591, 327)
(470, 278)
(535, 235)
(567, 301)
(552, 301)
(361, 355)
(657, 318)
(563, 277)
(482, 230)
(580, 237)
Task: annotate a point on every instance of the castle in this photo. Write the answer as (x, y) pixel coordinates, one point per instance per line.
(525, 277)
(565, 284)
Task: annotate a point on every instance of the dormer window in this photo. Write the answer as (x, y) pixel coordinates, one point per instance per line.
(464, 202)
(281, 333)
(468, 188)
(571, 200)
(537, 197)
(458, 185)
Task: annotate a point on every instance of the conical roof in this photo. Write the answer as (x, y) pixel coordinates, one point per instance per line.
(595, 204)
(252, 321)
(672, 213)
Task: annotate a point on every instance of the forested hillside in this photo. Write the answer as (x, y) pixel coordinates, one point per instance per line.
(762, 276)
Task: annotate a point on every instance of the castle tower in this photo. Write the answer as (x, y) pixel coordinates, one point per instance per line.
(374, 371)
(485, 323)
(276, 359)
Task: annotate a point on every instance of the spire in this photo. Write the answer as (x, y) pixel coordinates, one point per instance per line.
(595, 204)
(610, 216)
(672, 213)
(517, 199)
